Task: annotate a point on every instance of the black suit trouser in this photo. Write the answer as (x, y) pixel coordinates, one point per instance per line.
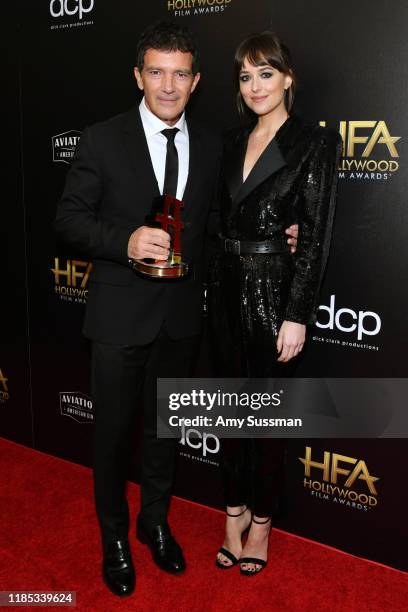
(121, 377)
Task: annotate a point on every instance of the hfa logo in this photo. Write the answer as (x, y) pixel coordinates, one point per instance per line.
(71, 279)
(60, 8)
(205, 443)
(4, 392)
(338, 475)
(369, 150)
(64, 145)
(187, 8)
(77, 406)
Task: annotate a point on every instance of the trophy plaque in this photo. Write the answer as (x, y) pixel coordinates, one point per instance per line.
(167, 216)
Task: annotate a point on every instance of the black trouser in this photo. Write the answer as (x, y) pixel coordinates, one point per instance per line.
(118, 375)
(253, 468)
(253, 472)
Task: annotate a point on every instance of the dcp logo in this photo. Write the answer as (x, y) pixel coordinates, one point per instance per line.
(347, 320)
(209, 443)
(59, 8)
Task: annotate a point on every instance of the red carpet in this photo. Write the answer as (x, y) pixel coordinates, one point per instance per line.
(49, 541)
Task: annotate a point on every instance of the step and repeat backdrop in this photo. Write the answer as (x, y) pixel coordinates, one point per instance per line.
(71, 65)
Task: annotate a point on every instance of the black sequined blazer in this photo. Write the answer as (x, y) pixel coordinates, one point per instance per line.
(294, 180)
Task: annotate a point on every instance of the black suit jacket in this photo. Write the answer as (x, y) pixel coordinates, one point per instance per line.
(109, 191)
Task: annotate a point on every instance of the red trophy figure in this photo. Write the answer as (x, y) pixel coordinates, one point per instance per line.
(168, 219)
(166, 214)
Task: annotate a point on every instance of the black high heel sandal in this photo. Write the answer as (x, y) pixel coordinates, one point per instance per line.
(225, 551)
(254, 560)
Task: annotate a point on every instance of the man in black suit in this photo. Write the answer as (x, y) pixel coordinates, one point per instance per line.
(141, 329)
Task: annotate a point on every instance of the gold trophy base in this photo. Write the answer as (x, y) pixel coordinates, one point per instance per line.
(161, 269)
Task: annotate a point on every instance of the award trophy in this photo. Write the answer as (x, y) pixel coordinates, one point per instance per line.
(166, 215)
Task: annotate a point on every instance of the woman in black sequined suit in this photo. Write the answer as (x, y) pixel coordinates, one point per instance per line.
(278, 171)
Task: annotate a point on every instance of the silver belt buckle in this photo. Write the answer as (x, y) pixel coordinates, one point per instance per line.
(232, 246)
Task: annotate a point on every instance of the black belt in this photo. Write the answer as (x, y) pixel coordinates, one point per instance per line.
(245, 247)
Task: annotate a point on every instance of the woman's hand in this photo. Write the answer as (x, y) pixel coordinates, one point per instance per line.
(291, 339)
(293, 232)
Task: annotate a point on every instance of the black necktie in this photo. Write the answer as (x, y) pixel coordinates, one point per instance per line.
(171, 173)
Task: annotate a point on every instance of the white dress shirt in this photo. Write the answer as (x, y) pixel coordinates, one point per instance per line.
(157, 144)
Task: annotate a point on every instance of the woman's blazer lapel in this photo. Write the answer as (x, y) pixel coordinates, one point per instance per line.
(270, 161)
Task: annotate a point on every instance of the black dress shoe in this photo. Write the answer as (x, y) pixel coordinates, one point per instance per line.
(117, 568)
(166, 553)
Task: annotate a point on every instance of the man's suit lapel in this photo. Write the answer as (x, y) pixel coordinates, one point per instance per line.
(138, 150)
(139, 154)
